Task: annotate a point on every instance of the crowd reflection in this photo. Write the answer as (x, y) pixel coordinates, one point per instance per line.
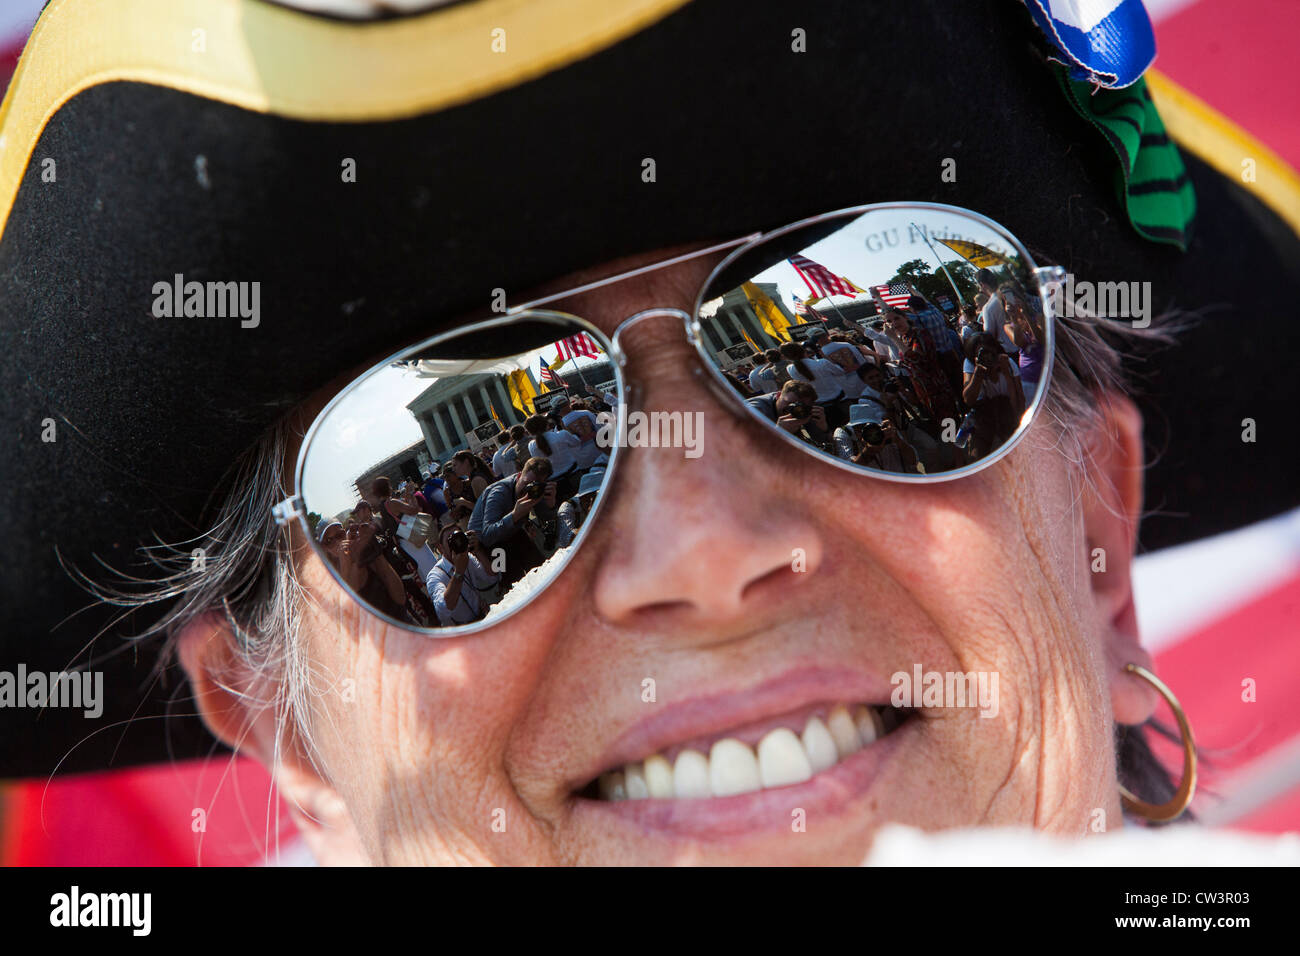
(916, 390)
(442, 551)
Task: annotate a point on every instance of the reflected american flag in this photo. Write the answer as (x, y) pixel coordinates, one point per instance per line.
(895, 295)
(819, 279)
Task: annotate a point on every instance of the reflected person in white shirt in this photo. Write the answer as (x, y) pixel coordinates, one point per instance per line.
(459, 584)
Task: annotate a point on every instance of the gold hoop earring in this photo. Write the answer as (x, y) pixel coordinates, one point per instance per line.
(1165, 812)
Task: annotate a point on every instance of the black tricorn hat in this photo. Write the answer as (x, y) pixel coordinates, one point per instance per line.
(498, 145)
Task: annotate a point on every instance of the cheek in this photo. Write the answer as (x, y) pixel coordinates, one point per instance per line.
(996, 566)
(413, 729)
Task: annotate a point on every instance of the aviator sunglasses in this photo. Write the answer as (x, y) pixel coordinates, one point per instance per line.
(906, 342)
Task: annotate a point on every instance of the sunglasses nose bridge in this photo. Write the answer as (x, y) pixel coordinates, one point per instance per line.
(691, 330)
(619, 354)
(616, 340)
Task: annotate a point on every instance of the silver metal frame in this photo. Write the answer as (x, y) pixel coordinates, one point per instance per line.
(294, 507)
(1043, 277)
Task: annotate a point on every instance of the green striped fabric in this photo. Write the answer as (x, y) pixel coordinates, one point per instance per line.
(1153, 183)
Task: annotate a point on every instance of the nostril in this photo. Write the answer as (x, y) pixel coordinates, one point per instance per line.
(782, 576)
(662, 607)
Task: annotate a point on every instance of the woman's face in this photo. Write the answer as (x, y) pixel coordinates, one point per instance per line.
(844, 359)
(1014, 307)
(333, 540)
(723, 596)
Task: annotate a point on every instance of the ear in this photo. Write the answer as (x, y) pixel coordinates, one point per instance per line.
(1112, 508)
(238, 706)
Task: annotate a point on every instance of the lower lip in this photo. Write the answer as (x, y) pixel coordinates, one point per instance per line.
(825, 795)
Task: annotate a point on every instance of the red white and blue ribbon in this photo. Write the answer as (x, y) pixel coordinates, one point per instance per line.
(1109, 43)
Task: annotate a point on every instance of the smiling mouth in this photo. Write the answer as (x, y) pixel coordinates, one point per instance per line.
(782, 752)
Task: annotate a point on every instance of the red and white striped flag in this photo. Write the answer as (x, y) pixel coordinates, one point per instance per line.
(819, 279)
(550, 379)
(575, 345)
(895, 295)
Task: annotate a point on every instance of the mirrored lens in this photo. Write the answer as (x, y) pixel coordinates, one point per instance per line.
(902, 340)
(446, 488)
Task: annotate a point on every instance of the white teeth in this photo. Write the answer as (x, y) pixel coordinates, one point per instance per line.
(819, 745)
(867, 729)
(691, 775)
(637, 789)
(733, 768)
(843, 731)
(782, 759)
(659, 777)
(612, 786)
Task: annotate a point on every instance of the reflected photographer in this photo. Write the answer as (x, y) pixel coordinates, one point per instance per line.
(879, 445)
(366, 569)
(795, 409)
(460, 584)
(994, 394)
(573, 513)
(501, 518)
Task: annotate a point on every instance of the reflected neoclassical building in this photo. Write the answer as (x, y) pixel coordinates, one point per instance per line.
(451, 408)
(456, 413)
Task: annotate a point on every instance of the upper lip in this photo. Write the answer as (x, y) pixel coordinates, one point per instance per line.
(715, 712)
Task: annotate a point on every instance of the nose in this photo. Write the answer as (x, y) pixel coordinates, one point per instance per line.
(711, 542)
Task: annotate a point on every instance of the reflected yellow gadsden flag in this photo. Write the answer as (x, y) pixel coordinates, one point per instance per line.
(981, 257)
(522, 391)
(769, 315)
